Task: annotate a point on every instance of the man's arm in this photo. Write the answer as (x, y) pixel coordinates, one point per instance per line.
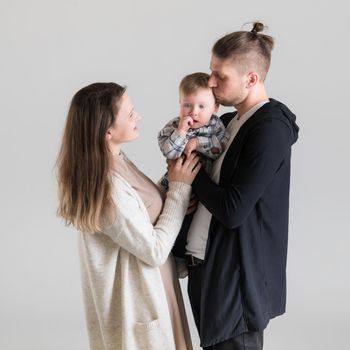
(262, 154)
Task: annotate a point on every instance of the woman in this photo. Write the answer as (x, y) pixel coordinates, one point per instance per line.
(132, 297)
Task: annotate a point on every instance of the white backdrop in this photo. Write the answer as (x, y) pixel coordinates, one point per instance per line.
(49, 49)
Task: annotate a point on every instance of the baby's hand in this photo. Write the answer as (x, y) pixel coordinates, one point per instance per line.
(184, 124)
(191, 146)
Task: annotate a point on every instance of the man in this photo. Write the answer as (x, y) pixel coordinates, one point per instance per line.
(237, 241)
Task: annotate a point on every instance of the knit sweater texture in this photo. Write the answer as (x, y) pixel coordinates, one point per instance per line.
(125, 301)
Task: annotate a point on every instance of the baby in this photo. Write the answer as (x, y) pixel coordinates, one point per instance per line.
(197, 128)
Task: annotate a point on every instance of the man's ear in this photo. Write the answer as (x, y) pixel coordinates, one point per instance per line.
(253, 79)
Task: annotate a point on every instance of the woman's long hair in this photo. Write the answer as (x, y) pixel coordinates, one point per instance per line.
(84, 161)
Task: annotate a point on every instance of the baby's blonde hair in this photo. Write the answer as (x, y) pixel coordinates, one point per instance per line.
(193, 82)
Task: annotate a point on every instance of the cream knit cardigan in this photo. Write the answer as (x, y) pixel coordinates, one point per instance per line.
(125, 302)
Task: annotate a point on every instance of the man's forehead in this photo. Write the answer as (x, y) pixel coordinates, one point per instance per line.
(219, 64)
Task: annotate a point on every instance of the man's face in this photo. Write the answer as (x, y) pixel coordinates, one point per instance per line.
(229, 85)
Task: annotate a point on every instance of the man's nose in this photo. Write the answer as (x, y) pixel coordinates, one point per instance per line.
(212, 81)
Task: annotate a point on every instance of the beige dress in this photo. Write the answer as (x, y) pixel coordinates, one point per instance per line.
(153, 198)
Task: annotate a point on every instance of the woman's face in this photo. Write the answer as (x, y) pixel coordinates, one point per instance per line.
(125, 127)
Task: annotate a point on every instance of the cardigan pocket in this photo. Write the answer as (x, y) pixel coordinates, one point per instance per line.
(150, 336)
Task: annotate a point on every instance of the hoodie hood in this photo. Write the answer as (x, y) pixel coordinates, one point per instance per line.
(288, 117)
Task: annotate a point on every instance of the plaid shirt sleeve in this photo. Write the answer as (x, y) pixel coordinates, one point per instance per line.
(213, 138)
(170, 141)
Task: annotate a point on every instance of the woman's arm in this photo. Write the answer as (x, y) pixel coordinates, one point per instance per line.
(132, 229)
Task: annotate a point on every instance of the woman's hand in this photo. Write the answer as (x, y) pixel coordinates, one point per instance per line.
(184, 169)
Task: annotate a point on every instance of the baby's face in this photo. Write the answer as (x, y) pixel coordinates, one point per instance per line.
(200, 106)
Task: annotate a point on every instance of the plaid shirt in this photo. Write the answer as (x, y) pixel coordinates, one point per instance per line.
(212, 139)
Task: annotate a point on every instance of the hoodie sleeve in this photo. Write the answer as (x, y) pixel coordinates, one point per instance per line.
(266, 147)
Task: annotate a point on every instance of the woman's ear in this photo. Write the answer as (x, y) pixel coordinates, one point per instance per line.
(109, 134)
